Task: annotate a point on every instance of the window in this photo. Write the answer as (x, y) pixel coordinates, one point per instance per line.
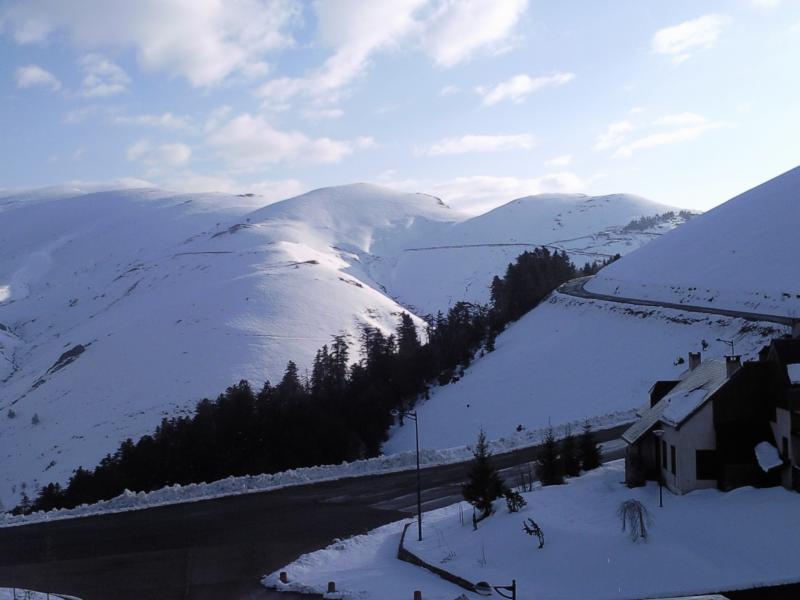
(663, 454)
(706, 464)
(672, 457)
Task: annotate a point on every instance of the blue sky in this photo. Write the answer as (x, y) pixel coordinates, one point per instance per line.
(476, 101)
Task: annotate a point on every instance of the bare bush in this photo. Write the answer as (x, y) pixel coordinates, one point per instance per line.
(635, 519)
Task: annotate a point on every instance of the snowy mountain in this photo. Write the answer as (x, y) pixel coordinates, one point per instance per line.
(742, 256)
(460, 261)
(118, 308)
(571, 358)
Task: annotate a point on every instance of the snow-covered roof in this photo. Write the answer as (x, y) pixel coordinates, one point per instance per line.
(694, 388)
(767, 456)
(794, 373)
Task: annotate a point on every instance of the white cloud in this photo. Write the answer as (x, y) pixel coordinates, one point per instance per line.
(520, 87)
(319, 113)
(449, 90)
(204, 41)
(687, 126)
(564, 160)
(216, 117)
(479, 143)
(479, 193)
(450, 31)
(36, 76)
(765, 3)
(614, 135)
(163, 155)
(679, 41)
(166, 120)
(457, 30)
(353, 29)
(102, 77)
(247, 142)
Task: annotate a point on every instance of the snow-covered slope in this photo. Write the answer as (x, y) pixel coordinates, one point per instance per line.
(571, 357)
(460, 261)
(743, 255)
(121, 308)
(567, 360)
(118, 308)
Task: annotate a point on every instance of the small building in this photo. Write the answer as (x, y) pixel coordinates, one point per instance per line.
(722, 425)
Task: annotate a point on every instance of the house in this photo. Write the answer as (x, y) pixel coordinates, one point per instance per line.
(722, 425)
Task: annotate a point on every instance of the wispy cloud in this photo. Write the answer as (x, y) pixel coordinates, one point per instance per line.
(680, 41)
(102, 77)
(520, 87)
(449, 90)
(162, 155)
(35, 76)
(248, 141)
(614, 135)
(681, 127)
(479, 143)
(458, 30)
(450, 32)
(166, 120)
(564, 160)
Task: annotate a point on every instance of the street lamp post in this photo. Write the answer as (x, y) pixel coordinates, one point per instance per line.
(412, 414)
(483, 588)
(659, 433)
(730, 343)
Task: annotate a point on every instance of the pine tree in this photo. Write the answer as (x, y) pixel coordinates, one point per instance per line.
(484, 484)
(407, 338)
(548, 466)
(570, 457)
(588, 449)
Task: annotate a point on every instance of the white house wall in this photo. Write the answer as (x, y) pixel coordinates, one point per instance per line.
(696, 433)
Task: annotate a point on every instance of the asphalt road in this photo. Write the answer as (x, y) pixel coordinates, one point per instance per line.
(220, 548)
(576, 287)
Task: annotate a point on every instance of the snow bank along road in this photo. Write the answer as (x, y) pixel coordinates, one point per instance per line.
(576, 287)
(221, 548)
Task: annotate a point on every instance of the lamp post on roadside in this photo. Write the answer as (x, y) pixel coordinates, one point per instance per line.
(730, 343)
(412, 414)
(659, 433)
(483, 588)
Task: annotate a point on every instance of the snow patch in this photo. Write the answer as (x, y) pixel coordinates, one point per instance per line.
(767, 456)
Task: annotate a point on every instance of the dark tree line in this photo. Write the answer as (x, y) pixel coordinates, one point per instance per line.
(644, 223)
(341, 411)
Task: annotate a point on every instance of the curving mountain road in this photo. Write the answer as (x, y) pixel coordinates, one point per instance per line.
(220, 548)
(576, 288)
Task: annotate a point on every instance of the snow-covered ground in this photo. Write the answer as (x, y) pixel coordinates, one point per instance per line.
(568, 359)
(741, 255)
(18, 594)
(704, 542)
(118, 308)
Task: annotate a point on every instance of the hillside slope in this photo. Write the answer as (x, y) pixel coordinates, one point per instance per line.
(460, 261)
(571, 358)
(119, 308)
(741, 255)
(567, 360)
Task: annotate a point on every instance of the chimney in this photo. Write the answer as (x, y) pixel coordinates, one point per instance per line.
(732, 364)
(694, 360)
